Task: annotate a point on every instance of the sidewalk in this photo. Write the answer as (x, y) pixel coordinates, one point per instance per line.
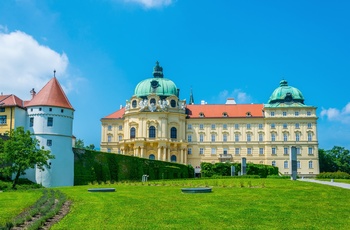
(337, 184)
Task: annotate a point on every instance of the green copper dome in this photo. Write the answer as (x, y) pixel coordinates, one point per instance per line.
(286, 94)
(158, 84)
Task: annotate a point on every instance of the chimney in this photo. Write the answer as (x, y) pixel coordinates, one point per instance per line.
(33, 93)
(230, 101)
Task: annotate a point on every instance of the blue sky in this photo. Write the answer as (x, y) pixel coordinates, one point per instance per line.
(101, 49)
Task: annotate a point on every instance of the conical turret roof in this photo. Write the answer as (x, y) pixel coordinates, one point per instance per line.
(51, 94)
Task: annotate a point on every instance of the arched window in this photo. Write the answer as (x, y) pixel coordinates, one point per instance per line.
(152, 132)
(153, 101)
(134, 103)
(173, 158)
(132, 133)
(173, 103)
(152, 157)
(173, 133)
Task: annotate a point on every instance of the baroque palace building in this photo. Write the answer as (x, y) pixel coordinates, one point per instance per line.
(156, 124)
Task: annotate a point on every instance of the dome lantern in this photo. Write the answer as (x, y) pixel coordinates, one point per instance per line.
(286, 94)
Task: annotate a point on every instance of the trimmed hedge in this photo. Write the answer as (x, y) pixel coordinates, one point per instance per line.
(93, 166)
(333, 175)
(224, 169)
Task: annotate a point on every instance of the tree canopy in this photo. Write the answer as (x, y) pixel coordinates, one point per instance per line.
(21, 152)
(334, 160)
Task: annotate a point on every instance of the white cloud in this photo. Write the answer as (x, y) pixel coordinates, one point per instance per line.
(151, 3)
(239, 96)
(26, 64)
(334, 114)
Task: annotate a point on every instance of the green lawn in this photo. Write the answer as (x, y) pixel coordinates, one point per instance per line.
(233, 204)
(13, 203)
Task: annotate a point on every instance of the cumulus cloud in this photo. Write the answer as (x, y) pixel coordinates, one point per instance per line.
(26, 64)
(151, 3)
(239, 96)
(334, 114)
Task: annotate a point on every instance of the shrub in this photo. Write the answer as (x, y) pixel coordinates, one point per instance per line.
(333, 175)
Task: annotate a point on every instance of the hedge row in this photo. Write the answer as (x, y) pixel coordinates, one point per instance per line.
(333, 175)
(224, 169)
(91, 166)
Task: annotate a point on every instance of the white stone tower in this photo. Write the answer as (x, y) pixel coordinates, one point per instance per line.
(50, 119)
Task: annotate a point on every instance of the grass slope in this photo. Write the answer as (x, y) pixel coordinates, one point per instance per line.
(233, 204)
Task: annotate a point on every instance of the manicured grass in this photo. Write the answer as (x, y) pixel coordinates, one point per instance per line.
(13, 203)
(233, 204)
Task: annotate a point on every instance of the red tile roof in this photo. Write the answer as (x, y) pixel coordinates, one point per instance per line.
(11, 100)
(231, 110)
(51, 95)
(116, 115)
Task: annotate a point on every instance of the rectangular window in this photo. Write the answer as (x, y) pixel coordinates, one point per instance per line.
(189, 138)
(237, 151)
(297, 125)
(236, 137)
(273, 126)
(3, 119)
(249, 137)
(225, 151)
(298, 165)
(213, 150)
(273, 137)
(272, 114)
(298, 151)
(284, 114)
(49, 142)
(309, 125)
(120, 127)
(285, 137)
(109, 138)
(296, 113)
(2, 109)
(120, 138)
(285, 164)
(261, 137)
(273, 163)
(297, 137)
(108, 150)
(249, 151)
(50, 109)
(201, 126)
(31, 122)
(261, 151)
(248, 126)
(310, 151)
(109, 127)
(213, 126)
(236, 126)
(285, 151)
(308, 113)
(213, 137)
(273, 151)
(285, 126)
(224, 138)
(201, 137)
(309, 137)
(201, 151)
(224, 126)
(50, 121)
(260, 126)
(310, 165)
(189, 126)
(189, 151)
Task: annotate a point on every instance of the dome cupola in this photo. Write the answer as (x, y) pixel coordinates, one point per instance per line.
(158, 85)
(286, 94)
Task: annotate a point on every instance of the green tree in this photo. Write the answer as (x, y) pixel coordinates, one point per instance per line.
(336, 159)
(79, 143)
(21, 152)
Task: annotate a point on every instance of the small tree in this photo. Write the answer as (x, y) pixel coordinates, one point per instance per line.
(22, 152)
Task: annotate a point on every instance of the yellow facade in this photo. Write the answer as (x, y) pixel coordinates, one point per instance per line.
(164, 128)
